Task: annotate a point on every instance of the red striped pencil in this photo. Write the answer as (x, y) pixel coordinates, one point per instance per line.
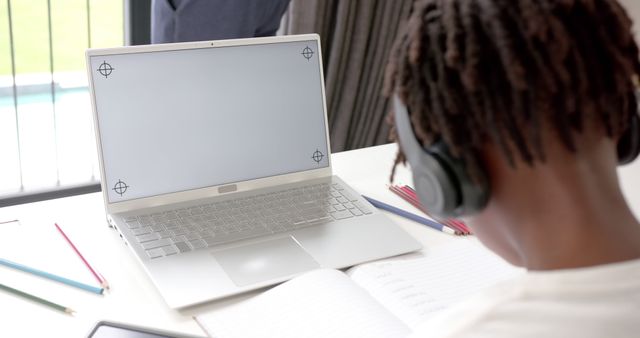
(103, 282)
(453, 222)
(406, 197)
(459, 222)
(410, 196)
(411, 201)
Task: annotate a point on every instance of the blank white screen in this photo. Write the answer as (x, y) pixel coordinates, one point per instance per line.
(181, 120)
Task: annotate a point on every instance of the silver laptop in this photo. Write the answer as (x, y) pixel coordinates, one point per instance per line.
(216, 168)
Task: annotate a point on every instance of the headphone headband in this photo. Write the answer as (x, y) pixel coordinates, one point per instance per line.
(410, 146)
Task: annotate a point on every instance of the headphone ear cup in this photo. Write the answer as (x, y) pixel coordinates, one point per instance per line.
(474, 193)
(436, 188)
(434, 185)
(629, 143)
(441, 181)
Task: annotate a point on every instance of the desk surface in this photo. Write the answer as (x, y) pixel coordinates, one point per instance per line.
(132, 298)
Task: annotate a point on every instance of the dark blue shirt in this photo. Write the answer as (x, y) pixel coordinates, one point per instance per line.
(197, 20)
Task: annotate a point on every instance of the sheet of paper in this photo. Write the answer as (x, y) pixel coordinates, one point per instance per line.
(322, 303)
(415, 290)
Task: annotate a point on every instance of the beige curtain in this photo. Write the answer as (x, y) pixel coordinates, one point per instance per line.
(357, 36)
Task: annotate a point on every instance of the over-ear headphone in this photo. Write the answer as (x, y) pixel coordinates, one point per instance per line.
(442, 180)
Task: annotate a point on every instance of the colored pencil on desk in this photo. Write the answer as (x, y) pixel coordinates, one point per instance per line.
(415, 203)
(411, 194)
(453, 222)
(404, 194)
(50, 276)
(408, 215)
(103, 282)
(36, 299)
(398, 191)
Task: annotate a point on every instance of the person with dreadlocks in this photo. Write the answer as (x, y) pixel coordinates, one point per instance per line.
(533, 99)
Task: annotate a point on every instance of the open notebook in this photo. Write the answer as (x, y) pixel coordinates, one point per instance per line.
(380, 299)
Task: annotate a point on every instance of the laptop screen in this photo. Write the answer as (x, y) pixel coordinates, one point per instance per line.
(179, 120)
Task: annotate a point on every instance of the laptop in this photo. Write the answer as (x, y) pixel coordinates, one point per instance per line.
(216, 169)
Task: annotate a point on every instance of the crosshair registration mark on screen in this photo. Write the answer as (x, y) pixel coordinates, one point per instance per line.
(120, 187)
(307, 53)
(105, 69)
(317, 156)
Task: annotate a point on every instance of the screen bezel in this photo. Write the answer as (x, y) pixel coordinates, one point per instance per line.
(211, 191)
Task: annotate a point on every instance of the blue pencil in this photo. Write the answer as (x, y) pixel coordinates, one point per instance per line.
(408, 215)
(51, 276)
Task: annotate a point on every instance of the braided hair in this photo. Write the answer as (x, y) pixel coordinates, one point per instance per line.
(477, 71)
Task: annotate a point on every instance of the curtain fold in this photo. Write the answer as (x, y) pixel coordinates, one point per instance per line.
(357, 36)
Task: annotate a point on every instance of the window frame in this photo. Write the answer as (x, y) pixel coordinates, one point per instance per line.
(137, 31)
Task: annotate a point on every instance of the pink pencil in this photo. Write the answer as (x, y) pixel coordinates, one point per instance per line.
(413, 200)
(454, 222)
(103, 282)
(404, 195)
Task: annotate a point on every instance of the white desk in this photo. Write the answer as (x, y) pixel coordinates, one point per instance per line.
(133, 299)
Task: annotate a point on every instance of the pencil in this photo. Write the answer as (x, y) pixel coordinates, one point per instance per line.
(37, 299)
(408, 215)
(11, 221)
(459, 223)
(50, 276)
(413, 201)
(103, 282)
(450, 222)
(398, 191)
(416, 203)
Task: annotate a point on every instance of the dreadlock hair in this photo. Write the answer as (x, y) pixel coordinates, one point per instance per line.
(476, 71)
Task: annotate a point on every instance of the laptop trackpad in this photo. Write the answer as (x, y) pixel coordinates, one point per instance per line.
(258, 262)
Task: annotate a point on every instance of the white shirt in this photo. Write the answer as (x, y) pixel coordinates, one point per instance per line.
(601, 301)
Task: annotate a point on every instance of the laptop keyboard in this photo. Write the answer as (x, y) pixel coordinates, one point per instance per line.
(188, 229)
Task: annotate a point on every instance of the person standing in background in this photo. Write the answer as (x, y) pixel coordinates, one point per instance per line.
(199, 20)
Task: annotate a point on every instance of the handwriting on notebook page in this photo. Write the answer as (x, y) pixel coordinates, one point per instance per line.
(416, 290)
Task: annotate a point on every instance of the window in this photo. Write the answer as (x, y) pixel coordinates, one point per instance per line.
(46, 134)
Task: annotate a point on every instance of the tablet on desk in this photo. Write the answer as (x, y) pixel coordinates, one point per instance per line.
(106, 329)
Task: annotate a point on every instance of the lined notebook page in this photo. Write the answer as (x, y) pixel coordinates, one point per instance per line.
(322, 303)
(415, 290)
